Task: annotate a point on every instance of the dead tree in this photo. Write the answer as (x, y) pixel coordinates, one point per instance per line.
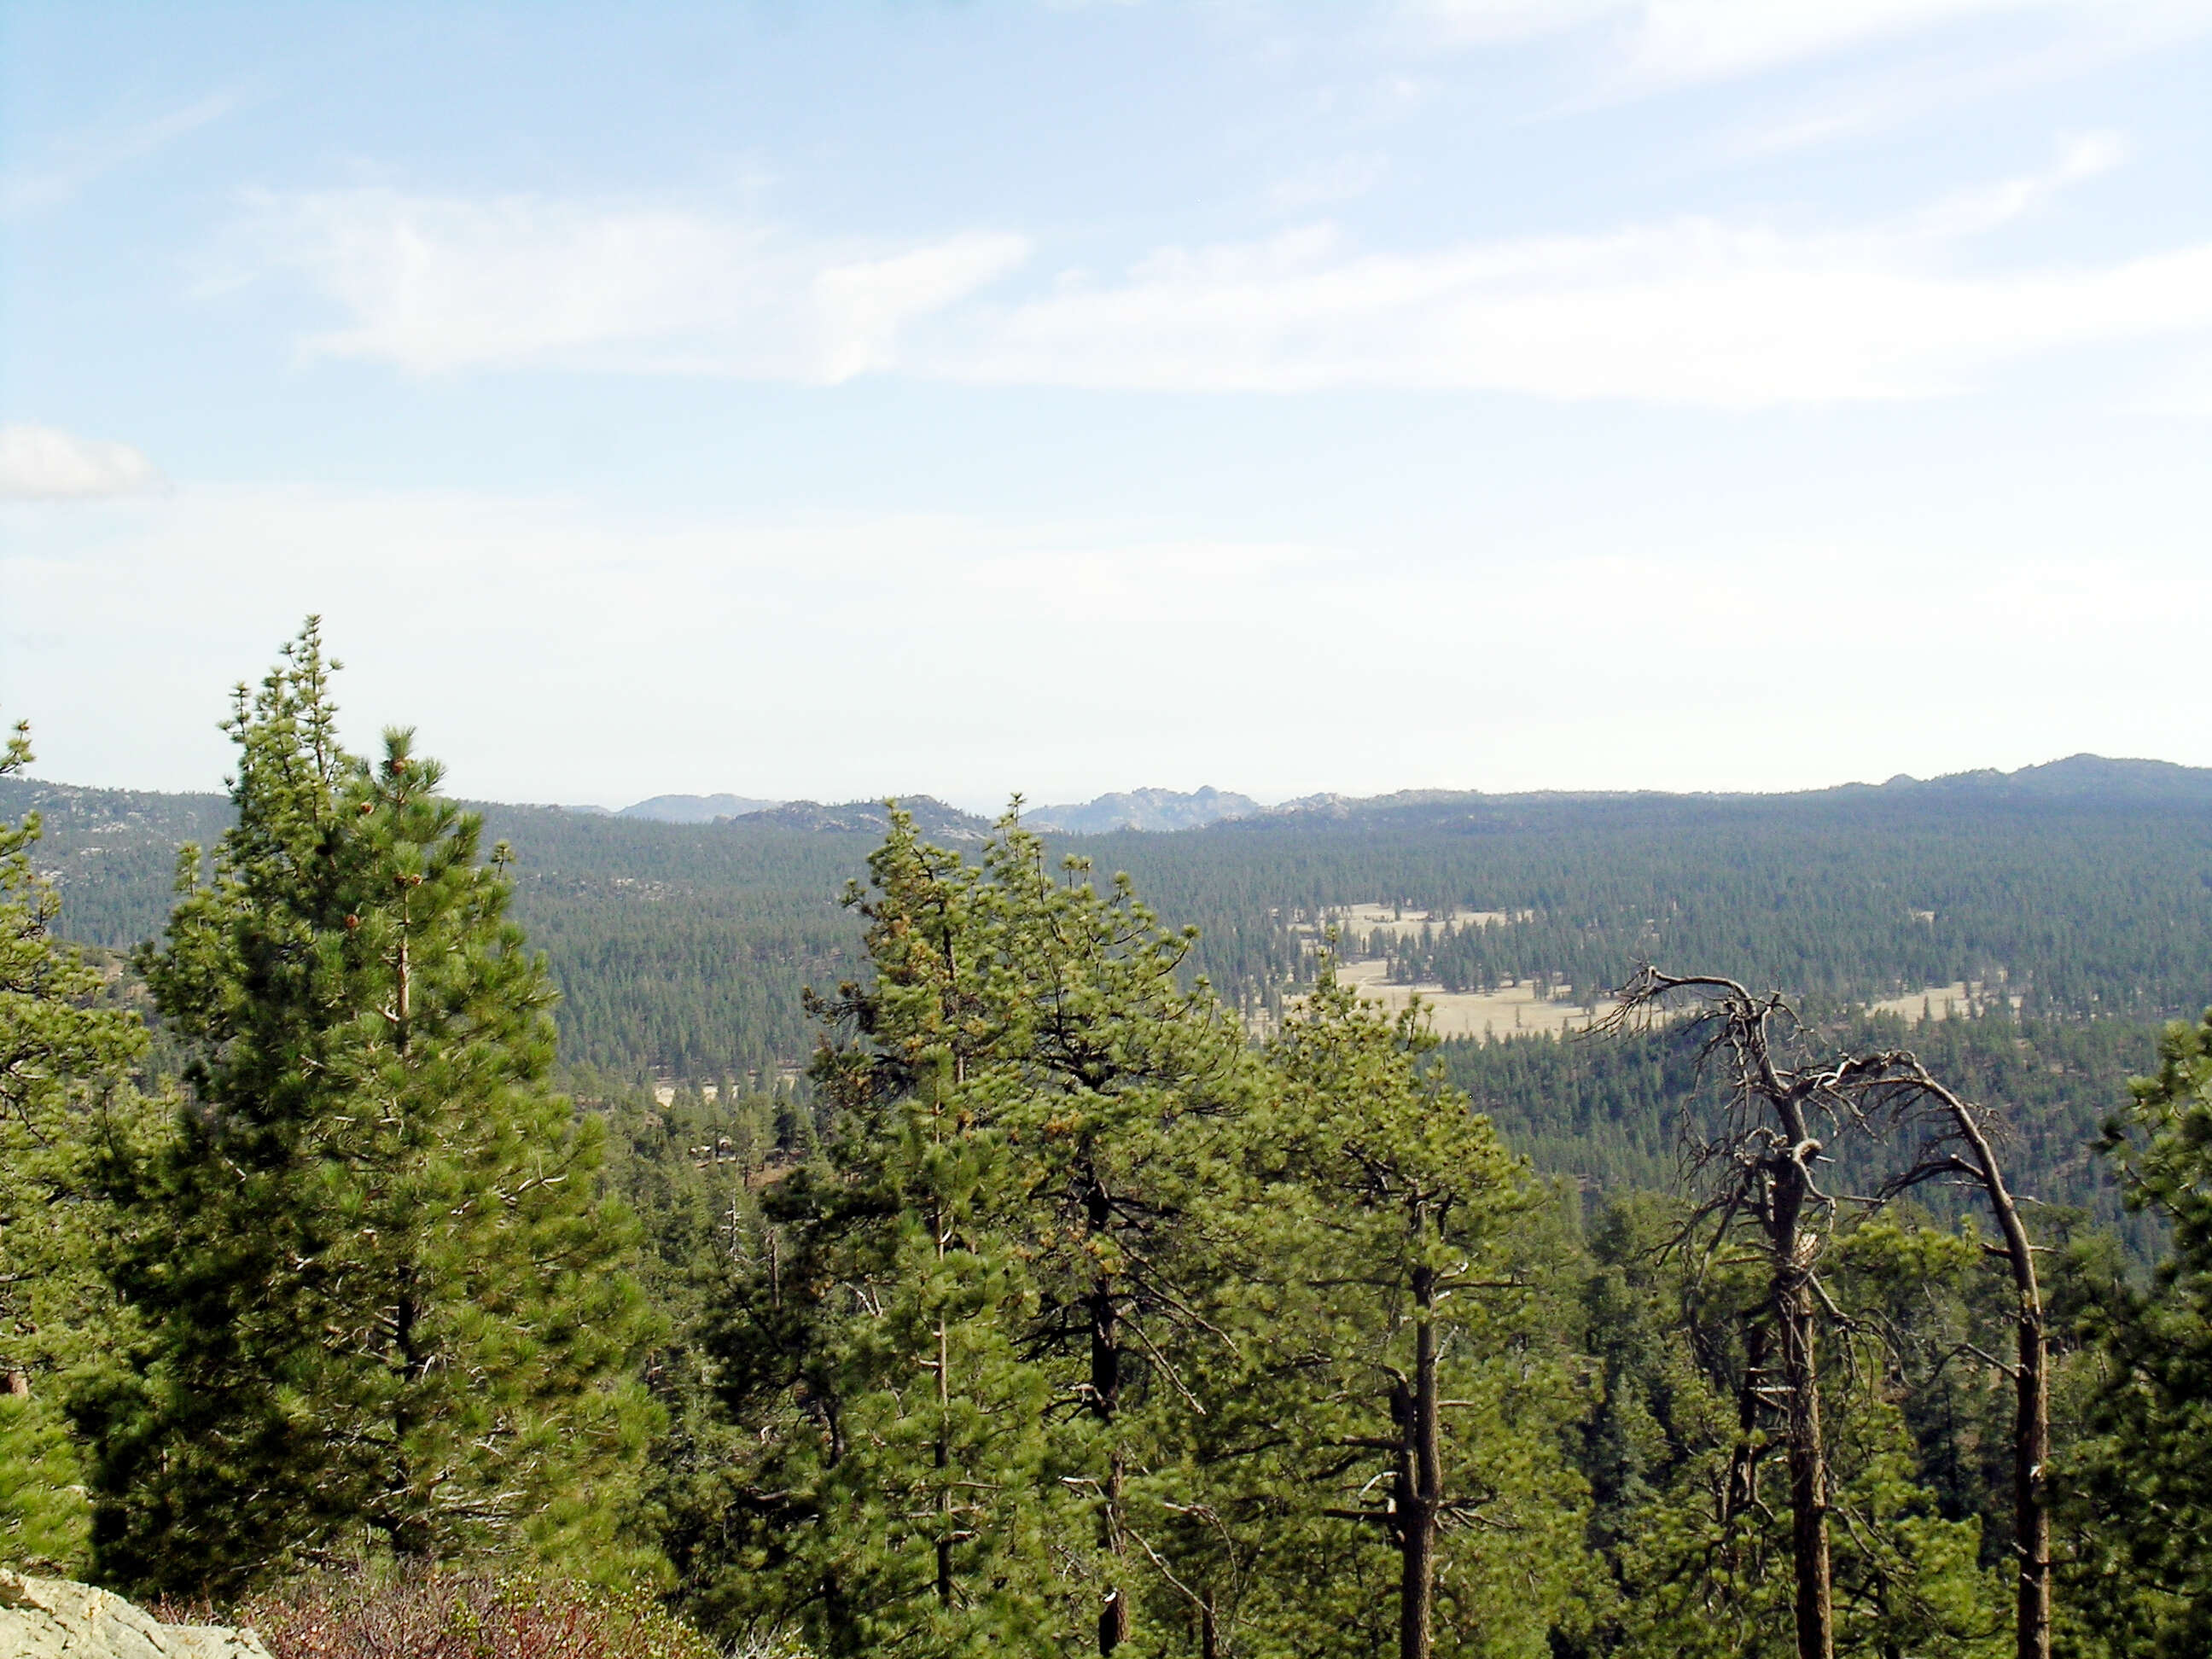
(1957, 1147)
(1759, 1166)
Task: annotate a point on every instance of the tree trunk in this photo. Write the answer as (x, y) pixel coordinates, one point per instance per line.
(2031, 1450)
(1421, 1481)
(1808, 1479)
(410, 1531)
(2031, 1441)
(1801, 1383)
(1106, 1397)
(1743, 1489)
(943, 1447)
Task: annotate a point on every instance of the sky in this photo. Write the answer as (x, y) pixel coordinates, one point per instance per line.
(828, 400)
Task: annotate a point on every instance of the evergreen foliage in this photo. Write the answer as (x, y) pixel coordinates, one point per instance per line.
(1057, 1347)
(384, 1306)
(1608, 1111)
(2145, 1476)
(63, 1052)
(1690, 1517)
(917, 1478)
(684, 948)
(1057, 1310)
(1427, 1390)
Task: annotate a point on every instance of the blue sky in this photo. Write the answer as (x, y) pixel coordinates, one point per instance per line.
(833, 399)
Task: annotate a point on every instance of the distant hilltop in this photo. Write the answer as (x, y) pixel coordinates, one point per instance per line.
(2078, 782)
(1134, 809)
(690, 809)
(1143, 809)
(2079, 778)
(932, 816)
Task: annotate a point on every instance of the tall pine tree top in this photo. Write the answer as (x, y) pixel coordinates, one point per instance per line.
(387, 1311)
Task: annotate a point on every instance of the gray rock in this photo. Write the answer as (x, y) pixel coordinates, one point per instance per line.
(55, 1618)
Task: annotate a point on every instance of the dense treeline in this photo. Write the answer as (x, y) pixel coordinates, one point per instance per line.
(677, 949)
(2098, 905)
(682, 982)
(1063, 1314)
(683, 949)
(1605, 1110)
(894, 1396)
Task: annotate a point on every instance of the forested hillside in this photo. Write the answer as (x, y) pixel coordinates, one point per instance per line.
(2085, 888)
(1604, 1111)
(2081, 892)
(1112, 1284)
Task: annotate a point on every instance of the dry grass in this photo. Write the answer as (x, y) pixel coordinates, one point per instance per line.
(1361, 921)
(1520, 1009)
(455, 1616)
(1959, 998)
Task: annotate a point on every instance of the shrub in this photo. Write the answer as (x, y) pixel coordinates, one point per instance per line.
(451, 1615)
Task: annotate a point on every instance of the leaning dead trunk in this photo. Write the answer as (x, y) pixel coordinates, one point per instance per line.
(2030, 1452)
(1966, 1133)
(2031, 1440)
(2032, 1403)
(1761, 1166)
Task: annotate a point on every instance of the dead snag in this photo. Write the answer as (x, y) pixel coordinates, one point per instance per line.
(1957, 1147)
(1759, 1165)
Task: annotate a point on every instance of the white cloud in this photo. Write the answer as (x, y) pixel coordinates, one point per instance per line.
(1487, 22)
(43, 463)
(75, 161)
(1973, 211)
(1690, 310)
(439, 283)
(863, 306)
(1906, 90)
(1659, 43)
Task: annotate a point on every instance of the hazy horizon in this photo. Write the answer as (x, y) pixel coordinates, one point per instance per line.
(39, 773)
(1418, 393)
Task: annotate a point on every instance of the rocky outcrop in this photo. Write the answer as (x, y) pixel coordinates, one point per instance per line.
(55, 1618)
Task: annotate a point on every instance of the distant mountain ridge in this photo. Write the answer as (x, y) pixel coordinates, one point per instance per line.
(932, 816)
(2082, 883)
(691, 809)
(2081, 779)
(1144, 809)
(2078, 780)
(1155, 810)
(2087, 776)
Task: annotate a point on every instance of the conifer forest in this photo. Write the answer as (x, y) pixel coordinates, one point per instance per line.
(1523, 1227)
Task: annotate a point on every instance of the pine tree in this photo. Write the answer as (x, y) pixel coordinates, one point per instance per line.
(1704, 1552)
(1125, 1089)
(1433, 1395)
(2144, 1478)
(63, 1055)
(384, 1308)
(905, 1493)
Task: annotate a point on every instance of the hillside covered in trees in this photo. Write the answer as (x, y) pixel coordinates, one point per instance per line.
(1082, 1264)
(2080, 893)
(2085, 887)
